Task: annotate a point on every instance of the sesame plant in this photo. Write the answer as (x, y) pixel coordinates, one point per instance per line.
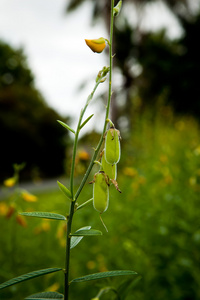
(106, 155)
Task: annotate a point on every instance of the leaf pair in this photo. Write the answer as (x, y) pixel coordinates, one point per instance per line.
(54, 295)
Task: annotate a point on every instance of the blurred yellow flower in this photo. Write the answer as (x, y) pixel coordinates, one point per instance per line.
(96, 45)
(43, 227)
(54, 287)
(168, 179)
(142, 180)
(10, 182)
(91, 264)
(29, 197)
(3, 209)
(83, 155)
(131, 172)
(192, 181)
(163, 158)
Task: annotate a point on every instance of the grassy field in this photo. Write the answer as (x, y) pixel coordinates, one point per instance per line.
(153, 226)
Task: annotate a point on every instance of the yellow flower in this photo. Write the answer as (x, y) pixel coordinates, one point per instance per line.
(43, 227)
(83, 155)
(3, 209)
(54, 287)
(10, 182)
(96, 45)
(129, 171)
(28, 197)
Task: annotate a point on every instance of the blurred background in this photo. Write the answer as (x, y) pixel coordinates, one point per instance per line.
(46, 73)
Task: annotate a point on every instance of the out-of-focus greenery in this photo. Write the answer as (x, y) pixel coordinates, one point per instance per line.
(27, 124)
(153, 63)
(153, 226)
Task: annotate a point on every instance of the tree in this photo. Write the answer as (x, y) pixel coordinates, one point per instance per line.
(29, 131)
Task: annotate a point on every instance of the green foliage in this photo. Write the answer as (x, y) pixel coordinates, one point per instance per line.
(86, 232)
(103, 275)
(46, 295)
(153, 225)
(28, 276)
(44, 215)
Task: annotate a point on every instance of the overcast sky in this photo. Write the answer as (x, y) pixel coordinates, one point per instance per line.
(54, 45)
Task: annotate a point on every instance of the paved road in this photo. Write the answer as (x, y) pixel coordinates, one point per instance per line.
(41, 186)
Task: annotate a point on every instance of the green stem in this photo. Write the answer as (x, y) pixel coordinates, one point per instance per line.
(107, 109)
(72, 207)
(77, 135)
(74, 198)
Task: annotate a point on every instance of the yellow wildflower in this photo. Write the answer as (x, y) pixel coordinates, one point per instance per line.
(83, 155)
(54, 287)
(45, 226)
(29, 197)
(10, 182)
(131, 172)
(3, 209)
(96, 45)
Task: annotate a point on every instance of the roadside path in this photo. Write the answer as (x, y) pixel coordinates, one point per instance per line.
(33, 187)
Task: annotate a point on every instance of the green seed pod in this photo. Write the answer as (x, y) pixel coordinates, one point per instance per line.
(100, 192)
(112, 146)
(110, 170)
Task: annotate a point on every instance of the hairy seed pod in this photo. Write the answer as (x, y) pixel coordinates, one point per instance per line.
(100, 192)
(112, 146)
(110, 170)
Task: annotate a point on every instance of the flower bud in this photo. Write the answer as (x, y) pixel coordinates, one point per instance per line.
(96, 45)
(117, 8)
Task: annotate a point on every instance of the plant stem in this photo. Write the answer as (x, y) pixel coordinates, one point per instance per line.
(107, 109)
(73, 202)
(74, 198)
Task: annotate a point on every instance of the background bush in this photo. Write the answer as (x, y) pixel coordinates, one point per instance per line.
(153, 225)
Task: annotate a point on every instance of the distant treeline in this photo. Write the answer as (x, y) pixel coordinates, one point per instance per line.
(29, 132)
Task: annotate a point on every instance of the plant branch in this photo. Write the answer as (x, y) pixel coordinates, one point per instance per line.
(107, 109)
(100, 78)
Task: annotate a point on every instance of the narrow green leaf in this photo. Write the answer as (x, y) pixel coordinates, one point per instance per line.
(28, 276)
(85, 122)
(75, 240)
(84, 232)
(84, 204)
(46, 296)
(102, 275)
(44, 215)
(64, 190)
(66, 126)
